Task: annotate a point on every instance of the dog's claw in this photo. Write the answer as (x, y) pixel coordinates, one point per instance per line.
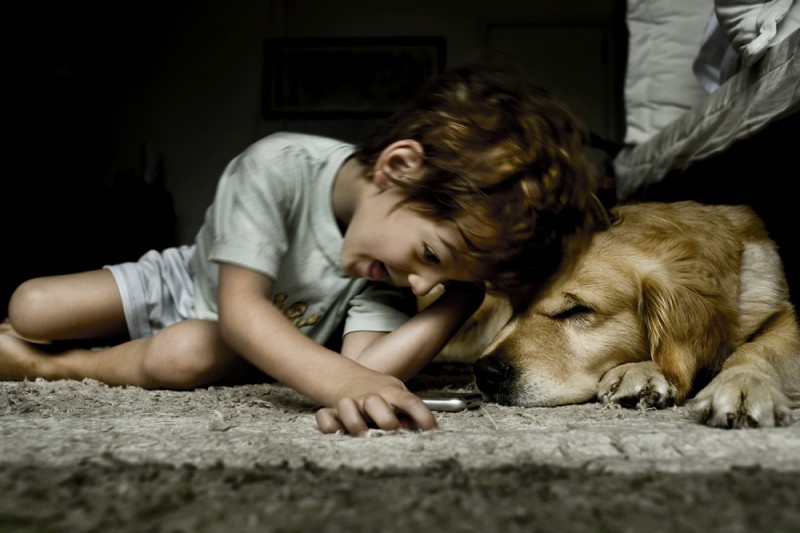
(636, 386)
(783, 417)
(735, 400)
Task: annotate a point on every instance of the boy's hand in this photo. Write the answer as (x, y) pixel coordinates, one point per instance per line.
(393, 407)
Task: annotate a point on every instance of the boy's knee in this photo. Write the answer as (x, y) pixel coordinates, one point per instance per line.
(27, 308)
(184, 357)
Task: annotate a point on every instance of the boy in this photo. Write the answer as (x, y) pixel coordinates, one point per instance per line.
(480, 184)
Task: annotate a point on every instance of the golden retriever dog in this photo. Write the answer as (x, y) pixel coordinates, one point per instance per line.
(672, 301)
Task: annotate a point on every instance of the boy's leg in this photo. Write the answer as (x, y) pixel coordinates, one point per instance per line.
(185, 355)
(86, 305)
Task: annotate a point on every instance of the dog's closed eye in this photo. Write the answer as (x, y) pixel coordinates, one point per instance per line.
(575, 311)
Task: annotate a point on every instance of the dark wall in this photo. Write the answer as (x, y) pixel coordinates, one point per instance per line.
(93, 83)
(62, 210)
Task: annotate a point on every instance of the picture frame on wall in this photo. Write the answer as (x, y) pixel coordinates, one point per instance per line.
(346, 77)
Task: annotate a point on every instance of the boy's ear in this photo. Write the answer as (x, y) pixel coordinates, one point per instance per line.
(401, 160)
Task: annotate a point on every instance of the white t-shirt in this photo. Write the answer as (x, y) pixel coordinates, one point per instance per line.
(273, 214)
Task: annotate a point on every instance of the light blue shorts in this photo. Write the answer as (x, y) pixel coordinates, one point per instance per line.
(157, 290)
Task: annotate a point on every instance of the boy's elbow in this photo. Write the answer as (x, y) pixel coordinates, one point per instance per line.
(357, 345)
(227, 328)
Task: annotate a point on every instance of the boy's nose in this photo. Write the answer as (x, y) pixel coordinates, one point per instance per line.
(421, 285)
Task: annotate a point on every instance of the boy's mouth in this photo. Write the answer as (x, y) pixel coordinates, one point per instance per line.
(376, 271)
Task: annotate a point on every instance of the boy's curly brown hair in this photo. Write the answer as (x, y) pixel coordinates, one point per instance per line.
(505, 163)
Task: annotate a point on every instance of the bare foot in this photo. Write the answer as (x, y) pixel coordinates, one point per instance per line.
(20, 359)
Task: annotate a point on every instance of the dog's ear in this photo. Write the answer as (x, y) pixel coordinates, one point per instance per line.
(685, 331)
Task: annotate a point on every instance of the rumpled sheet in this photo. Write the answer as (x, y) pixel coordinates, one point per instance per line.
(664, 37)
(753, 26)
(748, 102)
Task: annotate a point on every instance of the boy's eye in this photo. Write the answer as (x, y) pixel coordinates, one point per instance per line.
(429, 255)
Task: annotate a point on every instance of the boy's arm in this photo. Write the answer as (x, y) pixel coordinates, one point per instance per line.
(253, 327)
(406, 350)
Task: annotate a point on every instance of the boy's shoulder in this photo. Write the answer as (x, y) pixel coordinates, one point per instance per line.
(287, 160)
(312, 145)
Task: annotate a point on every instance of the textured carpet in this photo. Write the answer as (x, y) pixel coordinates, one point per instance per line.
(81, 456)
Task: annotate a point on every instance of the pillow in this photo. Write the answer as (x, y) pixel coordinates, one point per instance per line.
(664, 38)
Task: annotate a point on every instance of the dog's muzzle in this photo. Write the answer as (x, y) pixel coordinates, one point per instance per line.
(493, 375)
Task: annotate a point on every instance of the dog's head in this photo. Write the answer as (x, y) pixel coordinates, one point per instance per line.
(555, 351)
(640, 291)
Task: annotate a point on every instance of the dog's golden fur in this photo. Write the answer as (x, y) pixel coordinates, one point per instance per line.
(670, 296)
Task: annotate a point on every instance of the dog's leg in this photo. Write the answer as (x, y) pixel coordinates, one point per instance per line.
(640, 385)
(750, 389)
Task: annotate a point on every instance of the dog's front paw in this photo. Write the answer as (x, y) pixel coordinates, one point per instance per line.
(742, 399)
(640, 385)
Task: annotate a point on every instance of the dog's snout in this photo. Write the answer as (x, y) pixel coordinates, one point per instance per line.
(491, 373)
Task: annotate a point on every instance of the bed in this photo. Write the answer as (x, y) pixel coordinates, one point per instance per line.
(712, 94)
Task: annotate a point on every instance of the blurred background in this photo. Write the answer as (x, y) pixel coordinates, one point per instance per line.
(124, 114)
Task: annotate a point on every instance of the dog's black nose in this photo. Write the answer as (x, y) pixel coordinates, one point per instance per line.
(491, 373)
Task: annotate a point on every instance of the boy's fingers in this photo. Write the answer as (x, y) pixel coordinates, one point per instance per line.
(419, 413)
(408, 412)
(350, 415)
(380, 412)
(328, 421)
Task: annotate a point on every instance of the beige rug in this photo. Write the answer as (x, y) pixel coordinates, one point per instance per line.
(82, 456)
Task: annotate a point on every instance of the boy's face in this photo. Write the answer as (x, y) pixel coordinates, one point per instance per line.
(393, 242)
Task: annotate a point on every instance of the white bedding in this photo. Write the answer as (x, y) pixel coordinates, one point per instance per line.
(663, 39)
(753, 26)
(749, 101)
(671, 120)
